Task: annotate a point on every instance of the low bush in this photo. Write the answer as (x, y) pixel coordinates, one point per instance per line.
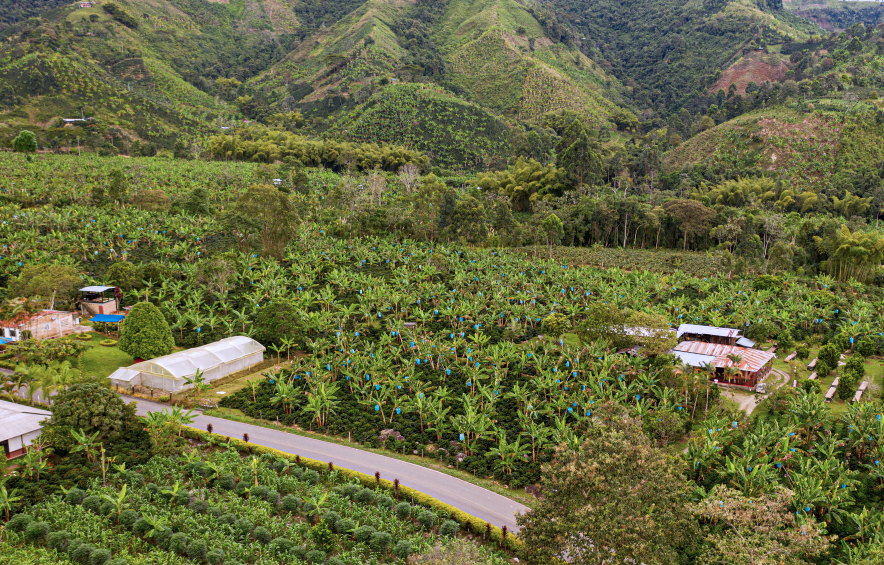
(58, 540)
(366, 496)
(345, 526)
(403, 510)
(380, 542)
(178, 543)
(215, 557)
(262, 535)
(316, 556)
(197, 550)
(99, 557)
(81, 553)
(93, 503)
(426, 519)
(402, 549)
(108, 343)
(36, 532)
(290, 503)
(128, 517)
(19, 522)
(363, 534)
(448, 528)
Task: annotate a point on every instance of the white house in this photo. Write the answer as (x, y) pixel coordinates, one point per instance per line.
(19, 427)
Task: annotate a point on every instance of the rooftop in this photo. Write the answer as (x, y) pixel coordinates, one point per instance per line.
(706, 330)
(18, 419)
(25, 319)
(700, 352)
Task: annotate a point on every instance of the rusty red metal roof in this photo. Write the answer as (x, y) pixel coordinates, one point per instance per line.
(753, 359)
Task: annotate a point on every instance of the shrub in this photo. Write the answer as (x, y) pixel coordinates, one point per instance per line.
(402, 549)
(75, 496)
(243, 526)
(350, 490)
(281, 546)
(380, 542)
(310, 476)
(197, 550)
(802, 351)
(262, 535)
(81, 553)
(345, 526)
(272, 497)
(299, 552)
(134, 479)
(182, 498)
(215, 557)
(426, 519)
(865, 347)
(128, 517)
(334, 561)
(290, 503)
(117, 561)
(108, 342)
(229, 519)
(92, 503)
(178, 543)
(403, 510)
(449, 527)
(829, 354)
(58, 540)
(241, 488)
(226, 482)
(197, 505)
(19, 522)
(259, 491)
(331, 518)
(36, 532)
(152, 489)
(315, 556)
(365, 496)
(363, 533)
(323, 537)
(106, 509)
(297, 472)
(72, 545)
(385, 501)
(164, 539)
(99, 557)
(141, 526)
(215, 511)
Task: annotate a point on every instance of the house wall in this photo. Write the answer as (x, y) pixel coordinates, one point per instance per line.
(44, 327)
(95, 308)
(18, 443)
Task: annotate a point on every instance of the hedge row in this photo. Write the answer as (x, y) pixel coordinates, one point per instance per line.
(466, 521)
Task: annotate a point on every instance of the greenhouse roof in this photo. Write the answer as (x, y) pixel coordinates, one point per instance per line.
(185, 363)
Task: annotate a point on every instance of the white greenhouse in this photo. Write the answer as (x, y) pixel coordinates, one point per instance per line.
(215, 360)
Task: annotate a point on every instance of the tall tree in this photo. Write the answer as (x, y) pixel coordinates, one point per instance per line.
(145, 333)
(265, 213)
(692, 216)
(616, 494)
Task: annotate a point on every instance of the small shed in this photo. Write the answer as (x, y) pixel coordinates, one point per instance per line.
(85, 4)
(215, 360)
(19, 427)
(96, 301)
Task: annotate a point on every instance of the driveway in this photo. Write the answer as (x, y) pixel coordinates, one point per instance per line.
(477, 501)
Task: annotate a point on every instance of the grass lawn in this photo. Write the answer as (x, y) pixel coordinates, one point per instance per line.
(99, 361)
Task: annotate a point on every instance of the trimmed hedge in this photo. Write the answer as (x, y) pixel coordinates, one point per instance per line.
(465, 520)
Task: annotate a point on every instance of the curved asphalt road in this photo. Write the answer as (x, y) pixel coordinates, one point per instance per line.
(477, 501)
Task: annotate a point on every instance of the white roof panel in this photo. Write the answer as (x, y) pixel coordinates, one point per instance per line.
(185, 363)
(693, 359)
(706, 330)
(745, 342)
(20, 424)
(96, 288)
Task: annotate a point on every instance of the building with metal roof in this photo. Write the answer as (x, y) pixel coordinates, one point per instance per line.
(19, 427)
(754, 363)
(712, 334)
(215, 360)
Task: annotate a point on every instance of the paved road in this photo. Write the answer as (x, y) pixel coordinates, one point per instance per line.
(477, 501)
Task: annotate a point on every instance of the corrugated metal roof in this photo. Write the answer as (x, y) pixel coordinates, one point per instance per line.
(19, 425)
(17, 419)
(693, 359)
(753, 359)
(706, 330)
(745, 342)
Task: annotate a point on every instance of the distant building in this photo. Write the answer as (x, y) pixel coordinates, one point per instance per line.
(19, 427)
(754, 363)
(85, 4)
(41, 325)
(712, 334)
(95, 300)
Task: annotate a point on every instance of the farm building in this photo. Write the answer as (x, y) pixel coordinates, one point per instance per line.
(95, 300)
(19, 427)
(753, 367)
(711, 334)
(41, 325)
(215, 360)
(85, 4)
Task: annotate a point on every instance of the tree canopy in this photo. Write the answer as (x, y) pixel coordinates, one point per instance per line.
(145, 333)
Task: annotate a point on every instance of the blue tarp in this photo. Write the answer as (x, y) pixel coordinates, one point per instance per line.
(105, 318)
(5, 340)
